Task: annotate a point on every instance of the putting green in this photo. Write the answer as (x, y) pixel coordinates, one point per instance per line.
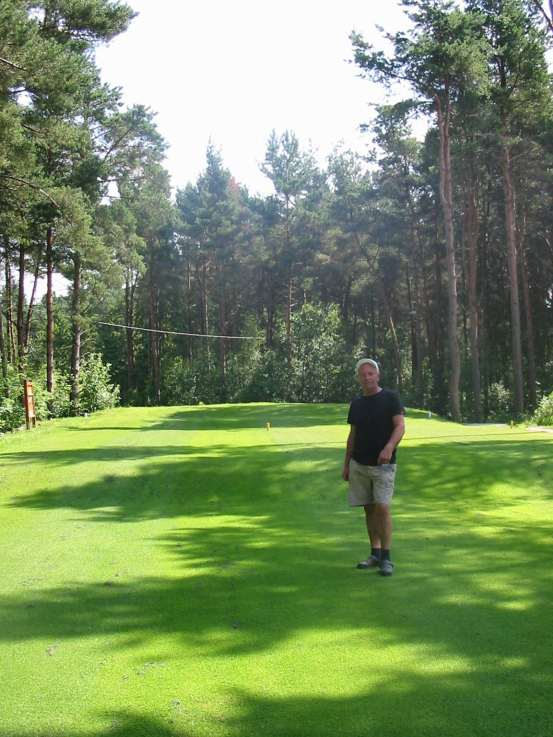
(187, 572)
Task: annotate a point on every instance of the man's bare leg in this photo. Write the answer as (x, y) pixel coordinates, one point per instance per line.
(372, 525)
(373, 559)
(383, 524)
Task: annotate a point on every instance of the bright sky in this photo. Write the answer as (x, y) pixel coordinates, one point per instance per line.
(234, 70)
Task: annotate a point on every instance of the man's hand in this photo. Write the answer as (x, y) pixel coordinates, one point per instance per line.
(385, 454)
(349, 452)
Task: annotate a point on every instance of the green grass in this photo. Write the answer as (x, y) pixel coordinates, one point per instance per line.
(185, 572)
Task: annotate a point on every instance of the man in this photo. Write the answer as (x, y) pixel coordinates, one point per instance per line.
(377, 426)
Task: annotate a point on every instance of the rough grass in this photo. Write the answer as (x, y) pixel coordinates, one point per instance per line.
(187, 572)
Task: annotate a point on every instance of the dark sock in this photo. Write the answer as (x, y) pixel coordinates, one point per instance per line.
(375, 552)
(385, 555)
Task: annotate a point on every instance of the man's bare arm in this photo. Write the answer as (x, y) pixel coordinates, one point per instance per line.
(395, 438)
(349, 451)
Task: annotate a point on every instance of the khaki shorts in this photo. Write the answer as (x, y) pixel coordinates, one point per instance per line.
(370, 484)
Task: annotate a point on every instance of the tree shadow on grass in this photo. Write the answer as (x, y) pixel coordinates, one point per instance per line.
(120, 724)
(465, 619)
(416, 706)
(177, 480)
(449, 705)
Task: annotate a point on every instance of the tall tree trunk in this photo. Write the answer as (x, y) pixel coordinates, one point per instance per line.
(155, 353)
(354, 330)
(31, 304)
(270, 308)
(12, 353)
(129, 336)
(412, 329)
(346, 299)
(529, 318)
(288, 316)
(446, 197)
(222, 331)
(20, 309)
(49, 310)
(419, 337)
(270, 325)
(289, 280)
(415, 300)
(471, 231)
(205, 312)
(3, 355)
(393, 335)
(488, 196)
(371, 338)
(77, 332)
(415, 316)
(189, 317)
(434, 311)
(510, 232)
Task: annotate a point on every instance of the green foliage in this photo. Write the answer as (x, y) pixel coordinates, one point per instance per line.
(336, 262)
(443, 54)
(85, 22)
(190, 382)
(12, 412)
(96, 389)
(544, 411)
(262, 378)
(500, 402)
(321, 367)
(58, 401)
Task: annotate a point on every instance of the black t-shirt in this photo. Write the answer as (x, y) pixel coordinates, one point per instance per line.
(372, 418)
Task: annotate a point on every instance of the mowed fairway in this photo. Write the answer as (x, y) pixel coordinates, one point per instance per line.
(188, 572)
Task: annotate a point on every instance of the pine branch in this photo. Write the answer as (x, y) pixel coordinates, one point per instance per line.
(11, 64)
(32, 186)
(117, 141)
(543, 11)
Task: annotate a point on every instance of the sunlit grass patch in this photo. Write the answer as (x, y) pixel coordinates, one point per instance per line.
(187, 572)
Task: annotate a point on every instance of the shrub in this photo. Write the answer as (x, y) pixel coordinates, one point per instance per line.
(190, 382)
(499, 401)
(321, 367)
(262, 378)
(544, 411)
(58, 401)
(12, 414)
(95, 388)
(179, 384)
(96, 392)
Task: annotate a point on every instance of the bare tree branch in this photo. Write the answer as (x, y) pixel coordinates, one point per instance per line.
(11, 64)
(543, 11)
(117, 142)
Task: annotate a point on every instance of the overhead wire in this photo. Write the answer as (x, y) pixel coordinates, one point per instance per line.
(176, 332)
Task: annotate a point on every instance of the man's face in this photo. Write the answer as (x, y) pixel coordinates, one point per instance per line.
(368, 377)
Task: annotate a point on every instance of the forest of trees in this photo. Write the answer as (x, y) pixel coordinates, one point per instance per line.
(433, 256)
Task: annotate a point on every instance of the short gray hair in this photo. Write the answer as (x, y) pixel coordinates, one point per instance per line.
(363, 361)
